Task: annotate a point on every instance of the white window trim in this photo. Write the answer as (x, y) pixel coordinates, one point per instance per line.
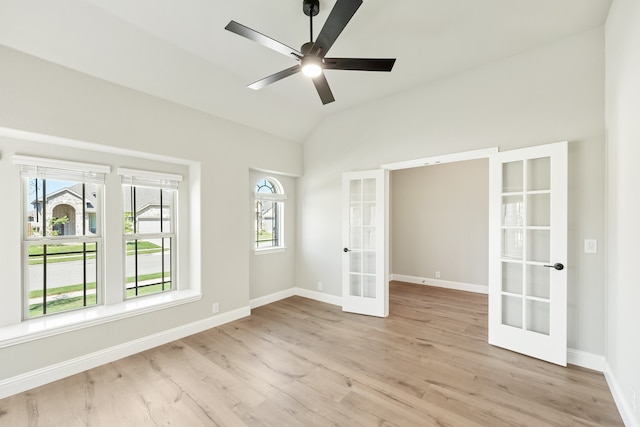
(60, 323)
(144, 178)
(19, 159)
(46, 326)
(271, 250)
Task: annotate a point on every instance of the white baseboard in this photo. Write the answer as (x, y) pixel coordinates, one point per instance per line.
(29, 380)
(583, 359)
(268, 299)
(301, 292)
(319, 296)
(469, 287)
(624, 406)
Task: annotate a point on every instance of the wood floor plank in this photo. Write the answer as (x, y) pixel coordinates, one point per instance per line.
(299, 362)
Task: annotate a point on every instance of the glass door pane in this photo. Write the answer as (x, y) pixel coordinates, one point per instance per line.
(512, 177)
(362, 230)
(526, 244)
(539, 174)
(538, 319)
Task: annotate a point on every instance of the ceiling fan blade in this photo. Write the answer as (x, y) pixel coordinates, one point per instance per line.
(274, 77)
(359, 64)
(257, 37)
(339, 17)
(322, 86)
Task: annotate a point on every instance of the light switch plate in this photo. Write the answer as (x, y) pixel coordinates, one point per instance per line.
(590, 246)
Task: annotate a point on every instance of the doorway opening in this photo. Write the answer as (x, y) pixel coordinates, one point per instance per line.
(439, 225)
(439, 220)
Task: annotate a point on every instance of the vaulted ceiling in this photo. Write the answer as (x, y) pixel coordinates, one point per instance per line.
(178, 50)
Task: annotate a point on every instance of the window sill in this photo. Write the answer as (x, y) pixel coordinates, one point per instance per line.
(33, 329)
(264, 251)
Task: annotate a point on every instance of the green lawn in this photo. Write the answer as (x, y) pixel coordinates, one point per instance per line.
(56, 253)
(36, 252)
(143, 247)
(57, 306)
(64, 304)
(61, 290)
(263, 235)
(148, 290)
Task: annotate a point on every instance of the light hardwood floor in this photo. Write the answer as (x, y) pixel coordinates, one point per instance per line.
(300, 362)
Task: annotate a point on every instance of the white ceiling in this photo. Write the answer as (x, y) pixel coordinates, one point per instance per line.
(178, 49)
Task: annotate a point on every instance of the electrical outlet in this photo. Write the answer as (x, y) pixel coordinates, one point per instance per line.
(437, 274)
(216, 307)
(319, 286)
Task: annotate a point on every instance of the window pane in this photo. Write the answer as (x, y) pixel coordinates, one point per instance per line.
(267, 224)
(148, 266)
(60, 208)
(147, 210)
(61, 277)
(266, 186)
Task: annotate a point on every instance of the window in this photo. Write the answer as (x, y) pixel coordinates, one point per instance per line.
(149, 231)
(269, 213)
(67, 269)
(61, 235)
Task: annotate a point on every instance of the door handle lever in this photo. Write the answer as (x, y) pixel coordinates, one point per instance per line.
(557, 266)
(346, 250)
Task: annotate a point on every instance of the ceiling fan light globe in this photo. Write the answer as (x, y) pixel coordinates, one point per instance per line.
(311, 70)
(311, 66)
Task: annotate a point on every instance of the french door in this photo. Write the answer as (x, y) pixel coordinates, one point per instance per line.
(365, 266)
(528, 251)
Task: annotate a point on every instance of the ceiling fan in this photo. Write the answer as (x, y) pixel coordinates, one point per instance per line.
(311, 56)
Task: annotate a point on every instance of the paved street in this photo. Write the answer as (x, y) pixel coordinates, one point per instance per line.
(70, 273)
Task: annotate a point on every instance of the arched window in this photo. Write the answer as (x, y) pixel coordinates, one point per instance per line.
(269, 213)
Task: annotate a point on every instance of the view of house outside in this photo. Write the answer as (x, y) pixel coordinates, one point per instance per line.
(63, 245)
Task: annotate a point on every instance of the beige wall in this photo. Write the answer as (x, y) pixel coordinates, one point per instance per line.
(439, 221)
(623, 204)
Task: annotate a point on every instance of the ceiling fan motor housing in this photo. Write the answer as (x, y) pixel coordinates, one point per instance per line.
(307, 48)
(311, 7)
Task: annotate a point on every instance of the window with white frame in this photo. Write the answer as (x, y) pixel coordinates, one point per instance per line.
(269, 210)
(61, 234)
(149, 231)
